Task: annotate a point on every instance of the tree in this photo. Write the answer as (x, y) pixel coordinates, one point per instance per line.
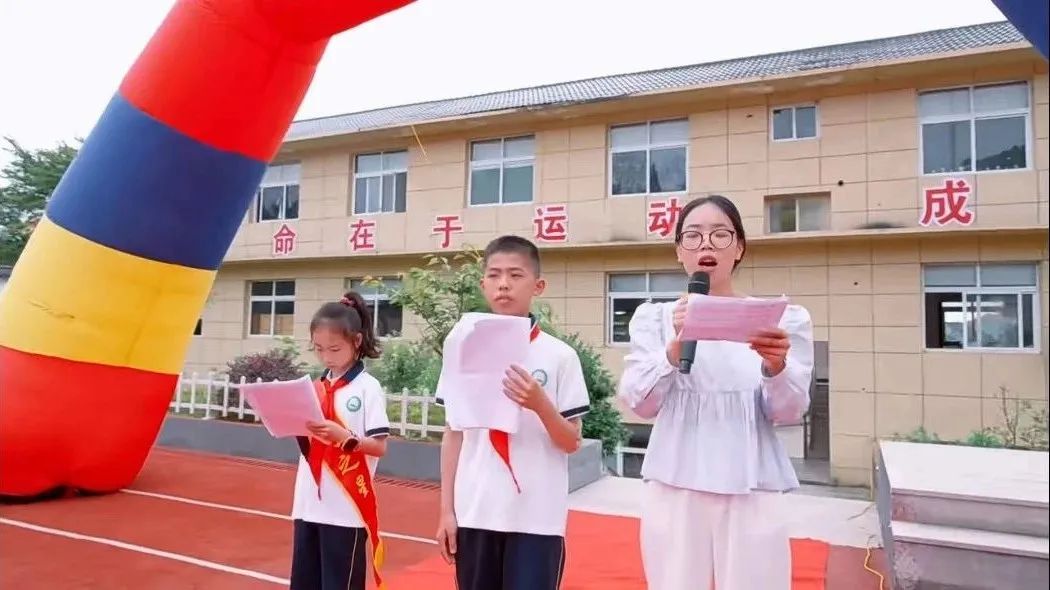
(441, 292)
(30, 178)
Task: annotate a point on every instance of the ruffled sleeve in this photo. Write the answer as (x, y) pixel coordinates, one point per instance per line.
(785, 396)
(647, 375)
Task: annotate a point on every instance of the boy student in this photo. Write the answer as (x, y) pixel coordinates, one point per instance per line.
(504, 498)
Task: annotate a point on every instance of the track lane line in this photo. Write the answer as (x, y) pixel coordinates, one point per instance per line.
(254, 512)
(147, 551)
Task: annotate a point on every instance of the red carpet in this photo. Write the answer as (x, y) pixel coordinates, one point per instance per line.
(603, 553)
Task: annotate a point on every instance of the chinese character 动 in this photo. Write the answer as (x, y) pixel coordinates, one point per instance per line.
(945, 204)
(551, 222)
(362, 235)
(663, 215)
(284, 241)
(446, 225)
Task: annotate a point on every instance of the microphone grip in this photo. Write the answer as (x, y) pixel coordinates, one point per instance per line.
(686, 356)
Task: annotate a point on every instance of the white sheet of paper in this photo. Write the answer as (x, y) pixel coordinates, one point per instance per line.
(476, 355)
(284, 406)
(735, 319)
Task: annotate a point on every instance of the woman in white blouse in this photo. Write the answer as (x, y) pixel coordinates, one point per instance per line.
(714, 468)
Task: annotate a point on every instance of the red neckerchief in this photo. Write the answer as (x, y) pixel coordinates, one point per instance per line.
(350, 469)
(500, 439)
(316, 453)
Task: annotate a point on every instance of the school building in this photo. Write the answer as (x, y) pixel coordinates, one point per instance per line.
(897, 188)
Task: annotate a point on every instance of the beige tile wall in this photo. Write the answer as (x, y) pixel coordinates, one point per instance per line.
(866, 156)
(864, 297)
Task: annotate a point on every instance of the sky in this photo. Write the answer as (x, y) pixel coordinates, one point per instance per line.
(62, 60)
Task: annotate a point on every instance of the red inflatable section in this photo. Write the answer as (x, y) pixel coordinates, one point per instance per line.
(98, 422)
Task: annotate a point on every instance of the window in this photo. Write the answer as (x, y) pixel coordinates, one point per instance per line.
(278, 194)
(387, 318)
(272, 310)
(649, 158)
(199, 328)
(981, 306)
(791, 123)
(797, 213)
(975, 129)
(628, 291)
(501, 170)
(380, 182)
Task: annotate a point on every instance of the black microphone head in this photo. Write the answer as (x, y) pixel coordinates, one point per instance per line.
(700, 283)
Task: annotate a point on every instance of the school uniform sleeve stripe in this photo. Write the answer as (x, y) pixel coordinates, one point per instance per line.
(377, 431)
(576, 412)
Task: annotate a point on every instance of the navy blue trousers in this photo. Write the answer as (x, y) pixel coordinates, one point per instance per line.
(493, 560)
(328, 557)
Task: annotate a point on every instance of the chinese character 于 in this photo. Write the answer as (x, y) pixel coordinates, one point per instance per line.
(362, 235)
(446, 225)
(663, 215)
(284, 241)
(551, 222)
(947, 203)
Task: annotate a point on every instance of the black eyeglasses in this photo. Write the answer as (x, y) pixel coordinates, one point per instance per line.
(720, 239)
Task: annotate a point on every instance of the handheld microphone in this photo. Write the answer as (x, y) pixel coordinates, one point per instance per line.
(699, 283)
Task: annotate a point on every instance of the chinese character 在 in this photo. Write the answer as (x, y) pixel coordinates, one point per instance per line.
(446, 225)
(283, 241)
(663, 215)
(362, 235)
(551, 223)
(943, 205)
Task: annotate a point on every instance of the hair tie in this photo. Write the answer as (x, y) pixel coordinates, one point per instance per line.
(347, 301)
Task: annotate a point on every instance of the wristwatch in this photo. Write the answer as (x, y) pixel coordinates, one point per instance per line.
(349, 444)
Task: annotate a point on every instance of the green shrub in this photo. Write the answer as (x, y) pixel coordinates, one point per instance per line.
(443, 291)
(280, 363)
(407, 365)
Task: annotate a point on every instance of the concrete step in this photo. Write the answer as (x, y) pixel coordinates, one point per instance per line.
(996, 490)
(932, 557)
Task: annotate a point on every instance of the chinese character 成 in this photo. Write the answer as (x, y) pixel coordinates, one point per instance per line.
(945, 204)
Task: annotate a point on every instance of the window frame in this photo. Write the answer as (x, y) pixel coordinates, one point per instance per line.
(378, 174)
(794, 122)
(256, 215)
(648, 148)
(373, 300)
(797, 198)
(502, 164)
(272, 298)
(647, 297)
(1017, 291)
(972, 118)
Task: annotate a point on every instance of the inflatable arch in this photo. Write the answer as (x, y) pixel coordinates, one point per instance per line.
(100, 308)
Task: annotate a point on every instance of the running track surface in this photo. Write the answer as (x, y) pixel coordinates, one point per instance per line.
(202, 521)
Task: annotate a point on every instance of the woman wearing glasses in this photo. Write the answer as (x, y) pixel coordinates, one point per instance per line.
(714, 468)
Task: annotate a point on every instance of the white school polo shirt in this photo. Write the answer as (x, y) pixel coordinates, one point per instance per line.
(361, 405)
(484, 494)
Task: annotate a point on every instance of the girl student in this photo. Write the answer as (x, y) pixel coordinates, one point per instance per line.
(714, 469)
(334, 510)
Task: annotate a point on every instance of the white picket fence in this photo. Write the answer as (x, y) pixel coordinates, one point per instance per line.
(215, 396)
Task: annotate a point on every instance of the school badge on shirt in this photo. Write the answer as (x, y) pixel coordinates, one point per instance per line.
(354, 403)
(540, 376)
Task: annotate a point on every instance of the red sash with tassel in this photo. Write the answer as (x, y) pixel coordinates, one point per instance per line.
(500, 439)
(351, 471)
